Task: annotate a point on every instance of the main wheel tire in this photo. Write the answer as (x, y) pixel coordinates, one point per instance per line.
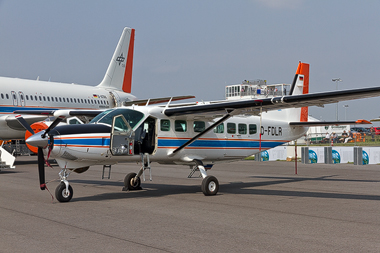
(129, 184)
(210, 186)
(61, 194)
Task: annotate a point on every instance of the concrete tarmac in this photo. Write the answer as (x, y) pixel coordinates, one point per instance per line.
(260, 207)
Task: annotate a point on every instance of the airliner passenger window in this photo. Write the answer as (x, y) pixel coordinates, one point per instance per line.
(199, 126)
(44, 98)
(64, 100)
(26, 96)
(219, 129)
(35, 98)
(252, 128)
(81, 100)
(31, 97)
(48, 98)
(40, 98)
(60, 99)
(180, 126)
(2, 96)
(231, 128)
(22, 97)
(75, 100)
(71, 100)
(165, 125)
(242, 129)
(6, 95)
(14, 96)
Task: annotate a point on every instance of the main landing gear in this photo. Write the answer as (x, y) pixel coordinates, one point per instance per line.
(210, 185)
(132, 181)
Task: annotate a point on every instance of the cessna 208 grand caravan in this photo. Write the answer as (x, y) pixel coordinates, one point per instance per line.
(198, 135)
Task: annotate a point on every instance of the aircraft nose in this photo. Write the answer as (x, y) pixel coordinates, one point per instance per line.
(36, 140)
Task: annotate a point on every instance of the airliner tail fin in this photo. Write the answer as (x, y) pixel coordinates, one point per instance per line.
(119, 72)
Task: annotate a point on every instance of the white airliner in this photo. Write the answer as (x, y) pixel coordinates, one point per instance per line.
(22, 94)
(198, 135)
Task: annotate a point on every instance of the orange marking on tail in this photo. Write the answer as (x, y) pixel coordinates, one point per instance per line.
(127, 82)
(303, 69)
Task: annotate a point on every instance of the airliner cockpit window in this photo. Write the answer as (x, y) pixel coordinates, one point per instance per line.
(106, 117)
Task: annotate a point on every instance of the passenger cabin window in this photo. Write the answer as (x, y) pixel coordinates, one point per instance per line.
(252, 128)
(242, 128)
(231, 128)
(165, 125)
(219, 129)
(2, 96)
(199, 126)
(6, 95)
(180, 125)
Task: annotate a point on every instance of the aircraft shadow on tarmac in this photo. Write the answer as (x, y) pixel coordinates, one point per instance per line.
(159, 190)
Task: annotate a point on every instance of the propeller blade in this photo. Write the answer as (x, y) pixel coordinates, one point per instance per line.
(25, 124)
(54, 124)
(41, 168)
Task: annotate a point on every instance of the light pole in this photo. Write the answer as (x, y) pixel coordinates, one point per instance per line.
(345, 111)
(336, 80)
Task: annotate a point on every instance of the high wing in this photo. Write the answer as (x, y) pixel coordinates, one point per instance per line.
(151, 101)
(330, 123)
(254, 106)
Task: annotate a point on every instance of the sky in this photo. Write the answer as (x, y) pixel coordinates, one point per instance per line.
(198, 47)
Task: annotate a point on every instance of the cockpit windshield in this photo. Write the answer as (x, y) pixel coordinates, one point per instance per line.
(106, 117)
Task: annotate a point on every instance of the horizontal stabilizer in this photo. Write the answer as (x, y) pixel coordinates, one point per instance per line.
(329, 123)
(152, 101)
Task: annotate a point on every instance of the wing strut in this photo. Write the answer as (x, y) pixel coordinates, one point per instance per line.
(225, 117)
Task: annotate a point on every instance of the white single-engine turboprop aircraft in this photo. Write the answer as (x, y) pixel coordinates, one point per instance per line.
(198, 134)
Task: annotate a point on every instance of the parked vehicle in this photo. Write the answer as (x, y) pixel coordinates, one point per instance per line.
(360, 130)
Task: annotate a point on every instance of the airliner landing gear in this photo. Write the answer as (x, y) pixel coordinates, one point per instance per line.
(210, 185)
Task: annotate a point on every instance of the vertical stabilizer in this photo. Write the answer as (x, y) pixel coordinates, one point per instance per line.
(300, 86)
(119, 72)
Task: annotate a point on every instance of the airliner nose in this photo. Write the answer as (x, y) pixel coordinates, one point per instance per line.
(36, 140)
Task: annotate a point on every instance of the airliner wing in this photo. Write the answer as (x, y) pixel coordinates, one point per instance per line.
(254, 106)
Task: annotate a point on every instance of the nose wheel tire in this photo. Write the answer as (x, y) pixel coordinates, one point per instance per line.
(130, 183)
(63, 195)
(210, 186)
